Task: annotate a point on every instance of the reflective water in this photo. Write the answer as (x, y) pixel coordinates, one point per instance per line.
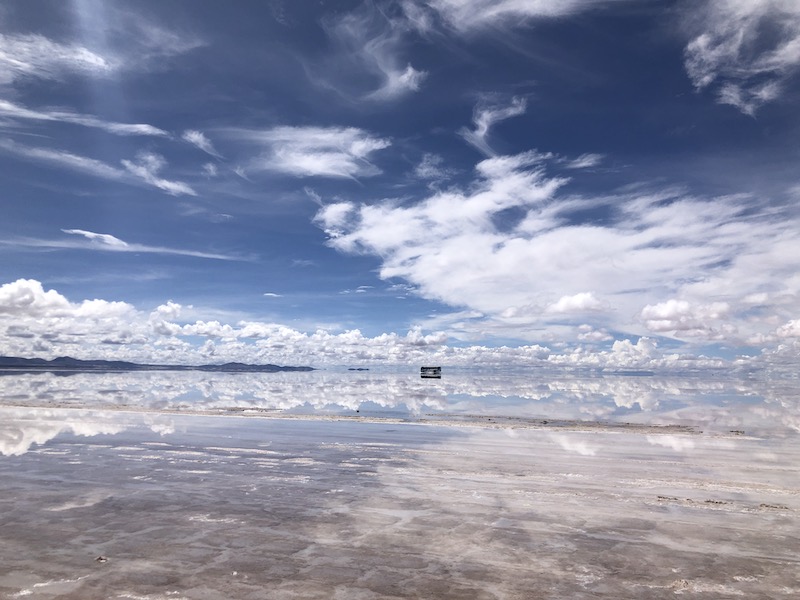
(718, 405)
(371, 485)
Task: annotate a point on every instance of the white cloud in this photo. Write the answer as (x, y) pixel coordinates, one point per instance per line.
(681, 316)
(110, 243)
(26, 298)
(587, 333)
(419, 17)
(147, 167)
(582, 302)
(44, 323)
(585, 161)
(790, 330)
(33, 55)
(64, 159)
(339, 152)
(143, 44)
(457, 247)
(16, 111)
(431, 167)
(370, 40)
(102, 238)
(485, 117)
(468, 15)
(397, 81)
(199, 139)
(747, 49)
(114, 40)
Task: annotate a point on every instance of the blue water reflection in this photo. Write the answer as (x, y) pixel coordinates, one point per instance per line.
(710, 404)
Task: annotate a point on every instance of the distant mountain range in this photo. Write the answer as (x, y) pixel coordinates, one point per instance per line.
(66, 363)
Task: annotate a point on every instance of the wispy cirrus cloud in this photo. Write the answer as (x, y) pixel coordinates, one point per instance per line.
(337, 152)
(584, 161)
(147, 167)
(143, 43)
(744, 50)
(109, 243)
(33, 55)
(101, 238)
(432, 168)
(199, 140)
(144, 169)
(370, 41)
(129, 42)
(15, 111)
(485, 116)
(64, 159)
(471, 15)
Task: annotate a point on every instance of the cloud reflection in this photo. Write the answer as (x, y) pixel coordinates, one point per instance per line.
(23, 428)
(715, 405)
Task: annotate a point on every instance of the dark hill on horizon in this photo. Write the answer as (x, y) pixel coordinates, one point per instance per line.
(67, 363)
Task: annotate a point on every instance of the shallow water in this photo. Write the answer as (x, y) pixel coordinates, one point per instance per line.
(198, 486)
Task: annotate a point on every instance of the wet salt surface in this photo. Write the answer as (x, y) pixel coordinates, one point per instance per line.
(530, 398)
(385, 506)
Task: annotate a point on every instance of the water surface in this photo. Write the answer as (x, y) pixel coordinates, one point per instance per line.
(381, 485)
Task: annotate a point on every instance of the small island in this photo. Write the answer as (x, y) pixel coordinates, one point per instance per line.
(68, 364)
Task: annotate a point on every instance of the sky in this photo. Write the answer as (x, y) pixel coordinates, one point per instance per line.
(596, 183)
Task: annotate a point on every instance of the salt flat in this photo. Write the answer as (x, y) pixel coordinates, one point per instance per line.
(196, 506)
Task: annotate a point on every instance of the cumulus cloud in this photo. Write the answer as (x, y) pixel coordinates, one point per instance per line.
(9, 109)
(26, 298)
(790, 330)
(338, 152)
(690, 319)
(44, 323)
(587, 333)
(485, 117)
(199, 139)
(582, 302)
(745, 50)
(147, 167)
(508, 250)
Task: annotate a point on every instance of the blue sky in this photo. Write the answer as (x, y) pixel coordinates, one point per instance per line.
(601, 183)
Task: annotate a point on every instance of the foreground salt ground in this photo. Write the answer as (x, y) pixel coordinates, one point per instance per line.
(197, 507)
